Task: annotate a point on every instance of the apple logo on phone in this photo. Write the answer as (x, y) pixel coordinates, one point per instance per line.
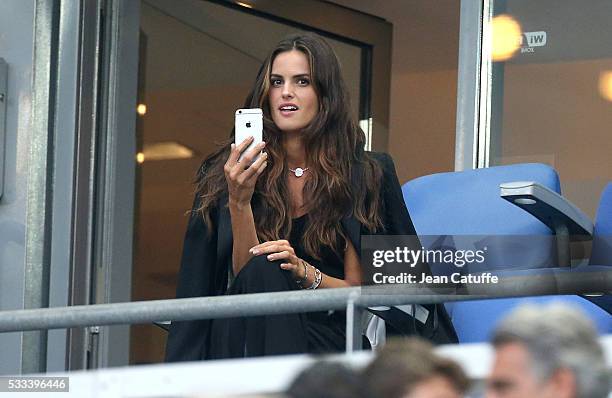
(248, 124)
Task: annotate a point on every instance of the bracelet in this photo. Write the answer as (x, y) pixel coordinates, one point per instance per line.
(305, 279)
(317, 279)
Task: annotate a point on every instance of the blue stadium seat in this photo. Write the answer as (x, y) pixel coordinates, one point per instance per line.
(601, 254)
(464, 210)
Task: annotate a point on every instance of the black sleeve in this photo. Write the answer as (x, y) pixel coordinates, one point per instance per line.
(396, 217)
(187, 340)
(438, 328)
(395, 214)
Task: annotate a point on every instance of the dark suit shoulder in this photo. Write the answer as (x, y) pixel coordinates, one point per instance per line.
(395, 214)
(388, 168)
(384, 159)
(379, 156)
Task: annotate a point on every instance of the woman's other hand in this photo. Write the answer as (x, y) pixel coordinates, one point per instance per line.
(242, 176)
(282, 250)
(303, 272)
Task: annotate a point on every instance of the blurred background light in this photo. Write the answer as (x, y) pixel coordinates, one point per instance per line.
(168, 150)
(506, 36)
(141, 109)
(605, 85)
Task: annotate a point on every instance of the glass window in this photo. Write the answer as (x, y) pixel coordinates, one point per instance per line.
(551, 91)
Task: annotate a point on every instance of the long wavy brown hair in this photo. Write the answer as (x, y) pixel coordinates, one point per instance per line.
(334, 147)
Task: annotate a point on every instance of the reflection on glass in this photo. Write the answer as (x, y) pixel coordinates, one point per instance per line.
(550, 99)
(506, 37)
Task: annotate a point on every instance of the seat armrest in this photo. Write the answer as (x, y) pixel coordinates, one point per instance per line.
(567, 221)
(549, 207)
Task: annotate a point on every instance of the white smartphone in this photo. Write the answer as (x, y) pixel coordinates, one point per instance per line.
(248, 122)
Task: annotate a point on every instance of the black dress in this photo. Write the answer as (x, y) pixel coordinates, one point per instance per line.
(313, 332)
(207, 259)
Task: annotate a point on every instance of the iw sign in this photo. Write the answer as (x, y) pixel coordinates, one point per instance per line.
(530, 40)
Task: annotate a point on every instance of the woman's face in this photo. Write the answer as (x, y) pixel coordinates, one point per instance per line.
(293, 100)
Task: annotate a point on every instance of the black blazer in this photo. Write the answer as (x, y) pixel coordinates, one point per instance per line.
(207, 257)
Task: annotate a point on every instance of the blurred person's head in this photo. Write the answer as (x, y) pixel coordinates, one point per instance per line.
(409, 368)
(549, 351)
(326, 380)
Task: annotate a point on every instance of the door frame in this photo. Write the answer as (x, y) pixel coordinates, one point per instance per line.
(109, 274)
(473, 104)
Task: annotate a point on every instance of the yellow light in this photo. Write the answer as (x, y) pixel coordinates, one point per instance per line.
(244, 4)
(166, 150)
(141, 109)
(506, 35)
(605, 85)
(140, 157)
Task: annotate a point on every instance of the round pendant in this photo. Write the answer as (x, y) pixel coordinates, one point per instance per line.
(299, 172)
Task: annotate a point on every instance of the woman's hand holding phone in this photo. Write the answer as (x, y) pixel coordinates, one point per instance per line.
(242, 176)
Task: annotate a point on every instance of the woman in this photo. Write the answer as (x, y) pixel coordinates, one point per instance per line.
(269, 226)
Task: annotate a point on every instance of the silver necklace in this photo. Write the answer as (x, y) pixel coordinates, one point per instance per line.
(298, 171)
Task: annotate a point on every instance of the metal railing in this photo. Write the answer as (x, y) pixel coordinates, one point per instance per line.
(353, 299)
